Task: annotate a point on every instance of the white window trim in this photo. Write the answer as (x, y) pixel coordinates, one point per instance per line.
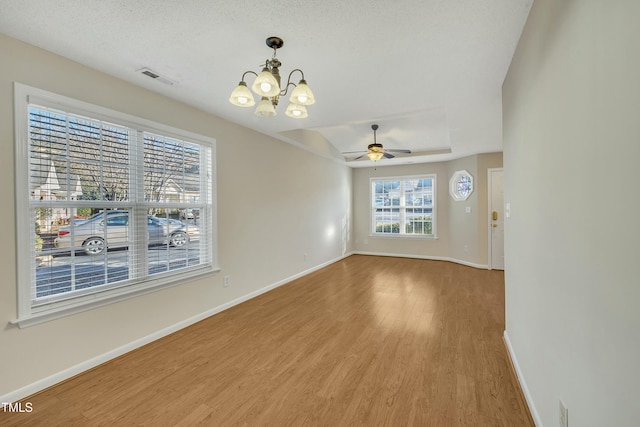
(404, 236)
(373, 234)
(27, 314)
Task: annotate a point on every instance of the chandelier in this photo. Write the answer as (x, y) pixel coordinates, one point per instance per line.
(267, 86)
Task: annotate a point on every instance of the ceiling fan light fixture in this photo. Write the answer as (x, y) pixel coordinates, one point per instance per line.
(376, 151)
(302, 94)
(242, 96)
(265, 108)
(374, 156)
(296, 111)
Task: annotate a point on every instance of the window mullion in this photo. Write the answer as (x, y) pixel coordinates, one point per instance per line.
(139, 257)
(72, 229)
(403, 204)
(206, 196)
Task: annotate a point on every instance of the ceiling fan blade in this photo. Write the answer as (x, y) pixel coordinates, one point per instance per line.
(399, 151)
(388, 155)
(432, 152)
(361, 157)
(354, 152)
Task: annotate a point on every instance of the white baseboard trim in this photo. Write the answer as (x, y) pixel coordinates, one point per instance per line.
(63, 375)
(523, 384)
(435, 258)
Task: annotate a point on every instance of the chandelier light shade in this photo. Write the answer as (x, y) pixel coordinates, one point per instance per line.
(267, 86)
(296, 111)
(302, 94)
(265, 108)
(242, 96)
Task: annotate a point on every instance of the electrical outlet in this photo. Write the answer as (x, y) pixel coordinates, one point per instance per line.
(564, 415)
(227, 281)
(306, 256)
(466, 248)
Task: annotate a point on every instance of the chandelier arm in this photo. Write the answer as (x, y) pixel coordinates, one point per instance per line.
(249, 72)
(293, 71)
(283, 92)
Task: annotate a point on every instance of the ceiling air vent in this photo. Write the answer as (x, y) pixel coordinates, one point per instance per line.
(150, 73)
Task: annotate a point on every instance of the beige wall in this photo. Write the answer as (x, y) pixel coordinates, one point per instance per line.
(571, 102)
(455, 228)
(273, 208)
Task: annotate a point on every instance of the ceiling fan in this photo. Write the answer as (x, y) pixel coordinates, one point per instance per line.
(376, 151)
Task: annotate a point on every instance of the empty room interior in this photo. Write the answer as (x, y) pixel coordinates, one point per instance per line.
(421, 217)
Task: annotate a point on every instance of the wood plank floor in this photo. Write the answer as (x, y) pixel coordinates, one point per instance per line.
(371, 341)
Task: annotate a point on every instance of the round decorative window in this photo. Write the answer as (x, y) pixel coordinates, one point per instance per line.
(461, 185)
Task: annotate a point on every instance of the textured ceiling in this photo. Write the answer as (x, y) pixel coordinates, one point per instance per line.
(429, 72)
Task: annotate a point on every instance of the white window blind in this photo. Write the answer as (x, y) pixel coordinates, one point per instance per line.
(102, 198)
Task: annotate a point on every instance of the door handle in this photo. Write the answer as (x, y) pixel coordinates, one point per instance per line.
(494, 225)
(495, 215)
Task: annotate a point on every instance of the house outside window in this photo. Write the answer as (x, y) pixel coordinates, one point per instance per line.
(403, 206)
(99, 196)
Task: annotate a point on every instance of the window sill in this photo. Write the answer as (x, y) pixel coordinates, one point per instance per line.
(106, 298)
(404, 236)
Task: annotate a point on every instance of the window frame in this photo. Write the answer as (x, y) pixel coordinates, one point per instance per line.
(402, 207)
(461, 185)
(30, 313)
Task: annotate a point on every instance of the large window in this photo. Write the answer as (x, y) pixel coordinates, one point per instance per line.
(108, 205)
(403, 206)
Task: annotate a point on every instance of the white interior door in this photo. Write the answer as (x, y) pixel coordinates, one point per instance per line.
(496, 219)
